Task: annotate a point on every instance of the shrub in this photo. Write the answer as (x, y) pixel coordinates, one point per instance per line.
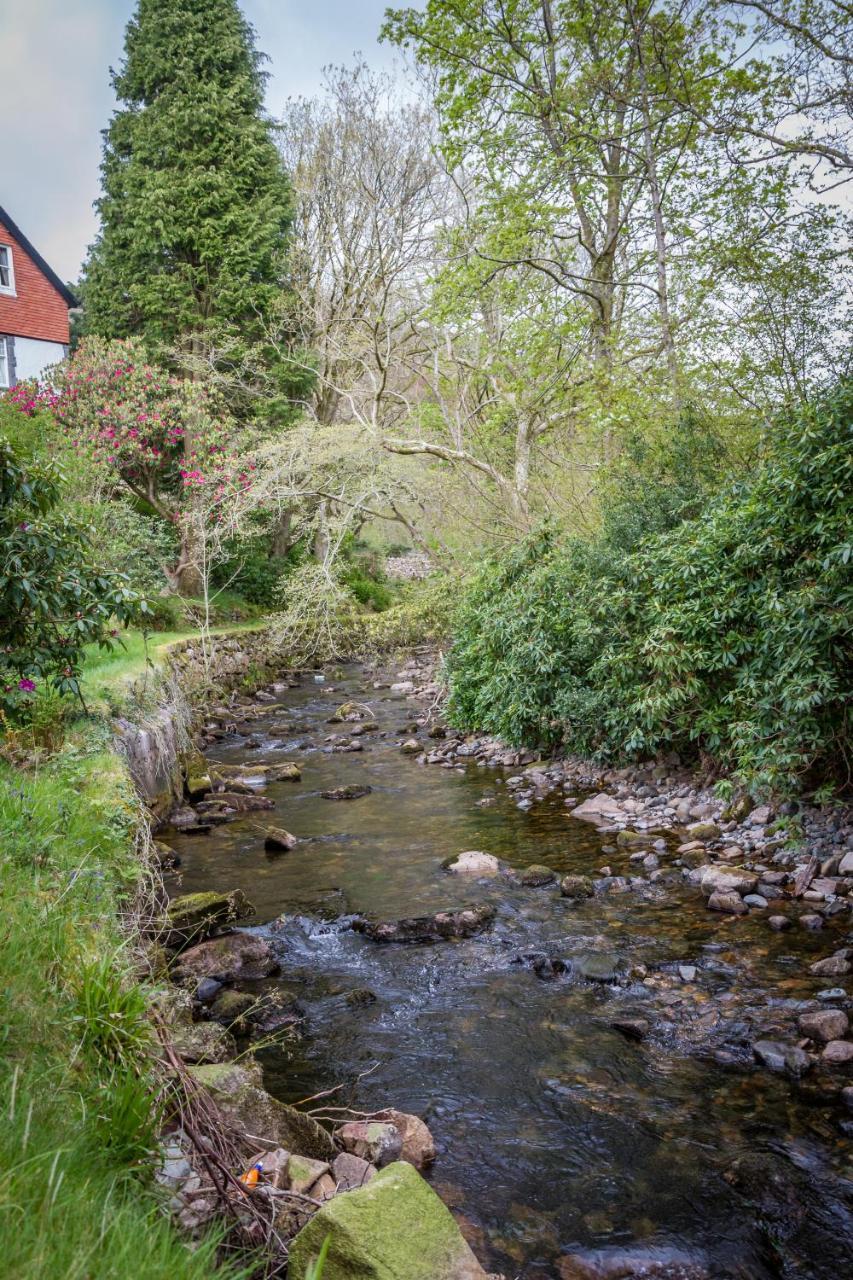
(729, 634)
(54, 598)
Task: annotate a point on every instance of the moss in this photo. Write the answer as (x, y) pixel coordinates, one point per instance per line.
(392, 1228)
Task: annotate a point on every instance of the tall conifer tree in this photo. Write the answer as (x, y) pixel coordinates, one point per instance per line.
(196, 204)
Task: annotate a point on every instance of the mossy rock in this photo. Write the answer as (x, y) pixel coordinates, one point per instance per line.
(392, 1228)
(203, 1042)
(628, 839)
(195, 916)
(239, 1093)
(537, 875)
(577, 887)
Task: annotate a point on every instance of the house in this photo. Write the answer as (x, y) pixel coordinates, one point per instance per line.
(34, 304)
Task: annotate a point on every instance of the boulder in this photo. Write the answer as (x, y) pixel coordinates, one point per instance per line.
(782, 1059)
(394, 1228)
(845, 866)
(444, 925)
(703, 831)
(576, 887)
(411, 747)
(599, 809)
(536, 876)
(379, 1142)
(351, 1171)
(346, 793)
(237, 1090)
(303, 1172)
(838, 1053)
(418, 1145)
(834, 966)
(235, 955)
(203, 1042)
(474, 863)
(256, 1015)
(237, 801)
(824, 1025)
(631, 839)
(599, 967)
(277, 840)
(717, 879)
(730, 903)
(195, 916)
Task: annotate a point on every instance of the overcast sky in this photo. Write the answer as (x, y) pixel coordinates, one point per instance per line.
(55, 96)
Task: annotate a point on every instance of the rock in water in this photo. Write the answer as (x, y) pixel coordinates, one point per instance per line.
(444, 925)
(346, 793)
(393, 1228)
(577, 887)
(277, 840)
(194, 916)
(474, 863)
(377, 1142)
(238, 1092)
(236, 955)
(418, 1145)
(537, 875)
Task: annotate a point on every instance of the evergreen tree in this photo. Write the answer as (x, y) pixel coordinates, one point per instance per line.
(196, 204)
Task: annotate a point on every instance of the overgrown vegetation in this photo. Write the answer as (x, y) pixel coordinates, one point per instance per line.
(78, 1096)
(727, 636)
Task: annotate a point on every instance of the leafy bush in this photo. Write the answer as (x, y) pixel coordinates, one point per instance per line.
(54, 598)
(728, 635)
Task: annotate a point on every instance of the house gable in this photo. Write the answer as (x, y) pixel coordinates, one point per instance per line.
(38, 308)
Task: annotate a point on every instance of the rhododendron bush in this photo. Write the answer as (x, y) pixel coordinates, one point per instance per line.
(162, 437)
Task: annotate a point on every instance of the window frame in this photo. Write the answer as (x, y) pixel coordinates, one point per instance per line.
(5, 364)
(8, 290)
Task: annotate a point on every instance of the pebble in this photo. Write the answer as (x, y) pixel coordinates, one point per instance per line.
(687, 972)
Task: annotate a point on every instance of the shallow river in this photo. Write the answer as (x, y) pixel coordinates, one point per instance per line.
(555, 1133)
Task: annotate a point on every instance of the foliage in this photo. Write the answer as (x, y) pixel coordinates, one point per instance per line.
(195, 205)
(75, 1093)
(54, 598)
(729, 634)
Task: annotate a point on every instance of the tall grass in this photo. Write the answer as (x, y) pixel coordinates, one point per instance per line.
(78, 1106)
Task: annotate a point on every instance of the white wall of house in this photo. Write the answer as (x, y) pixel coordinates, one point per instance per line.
(33, 356)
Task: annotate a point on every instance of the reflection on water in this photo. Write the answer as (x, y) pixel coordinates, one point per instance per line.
(554, 1132)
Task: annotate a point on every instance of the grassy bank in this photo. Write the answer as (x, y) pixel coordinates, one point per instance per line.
(77, 1090)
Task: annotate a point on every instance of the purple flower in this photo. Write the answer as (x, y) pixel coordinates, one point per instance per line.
(28, 686)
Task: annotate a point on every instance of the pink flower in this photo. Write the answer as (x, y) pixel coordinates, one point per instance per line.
(28, 686)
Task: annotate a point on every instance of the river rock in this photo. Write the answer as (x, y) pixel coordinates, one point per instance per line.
(394, 1228)
(379, 1142)
(411, 747)
(716, 879)
(444, 925)
(203, 1042)
(627, 1266)
(236, 955)
(703, 831)
(834, 966)
(598, 967)
(234, 800)
(577, 887)
(779, 923)
(599, 809)
(474, 863)
(346, 793)
(194, 916)
(730, 903)
(418, 1145)
(824, 1024)
(838, 1053)
(303, 1172)
(630, 839)
(351, 1171)
(536, 876)
(781, 1058)
(632, 1028)
(277, 840)
(238, 1092)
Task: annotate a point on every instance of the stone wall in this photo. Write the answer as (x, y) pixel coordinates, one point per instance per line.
(156, 745)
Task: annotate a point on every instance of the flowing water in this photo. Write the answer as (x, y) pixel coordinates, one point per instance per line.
(555, 1133)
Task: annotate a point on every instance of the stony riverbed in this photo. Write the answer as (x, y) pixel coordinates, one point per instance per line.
(623, 1012)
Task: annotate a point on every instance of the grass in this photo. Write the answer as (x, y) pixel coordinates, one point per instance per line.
(77, 1121)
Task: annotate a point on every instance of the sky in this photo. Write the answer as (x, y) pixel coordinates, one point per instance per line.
(55, 96)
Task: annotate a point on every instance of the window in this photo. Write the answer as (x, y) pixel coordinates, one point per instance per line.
(7, 270)
(4, 363)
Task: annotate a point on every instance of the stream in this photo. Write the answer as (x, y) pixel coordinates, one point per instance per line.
(558, 1137)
